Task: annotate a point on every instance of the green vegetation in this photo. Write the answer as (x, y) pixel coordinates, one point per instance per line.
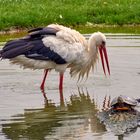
(33, 13)
(82, 29)
(9, 36)
(86, 16)
(129, 29)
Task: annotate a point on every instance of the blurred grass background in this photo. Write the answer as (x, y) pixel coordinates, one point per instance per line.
(34, 13)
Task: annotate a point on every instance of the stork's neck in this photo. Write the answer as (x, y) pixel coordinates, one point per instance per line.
(92, 45)
(88, 60)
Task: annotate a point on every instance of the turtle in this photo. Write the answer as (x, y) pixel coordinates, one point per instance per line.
(124, 103)
(121, 117)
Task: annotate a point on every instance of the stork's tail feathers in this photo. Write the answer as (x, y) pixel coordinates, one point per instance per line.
(0, 53)
(14, 48)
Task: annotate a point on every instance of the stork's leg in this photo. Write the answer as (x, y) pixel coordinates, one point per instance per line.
(43, 81)
(44, 94)
(61, 88)
(61, 82)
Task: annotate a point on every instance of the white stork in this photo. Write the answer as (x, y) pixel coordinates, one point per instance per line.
(57, 47)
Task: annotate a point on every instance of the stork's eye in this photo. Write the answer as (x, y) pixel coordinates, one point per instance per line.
(103, 42)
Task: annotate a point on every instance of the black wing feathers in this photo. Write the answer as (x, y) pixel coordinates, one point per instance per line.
(40, 32)
(32, 46)
(36, 29)
(14, 44)
(43, 53)
(16, 51)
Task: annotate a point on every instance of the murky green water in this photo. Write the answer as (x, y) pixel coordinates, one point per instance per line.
(24, 114)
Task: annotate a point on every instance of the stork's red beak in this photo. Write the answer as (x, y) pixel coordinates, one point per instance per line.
(103, 54)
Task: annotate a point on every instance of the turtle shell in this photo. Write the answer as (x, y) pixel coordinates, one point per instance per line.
(130, 101)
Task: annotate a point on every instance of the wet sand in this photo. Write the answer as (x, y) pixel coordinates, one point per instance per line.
(19, 89)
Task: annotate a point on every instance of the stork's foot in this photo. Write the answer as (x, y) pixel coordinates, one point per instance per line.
(44, 93)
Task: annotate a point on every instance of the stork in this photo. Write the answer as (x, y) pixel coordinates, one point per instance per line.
(57, 47)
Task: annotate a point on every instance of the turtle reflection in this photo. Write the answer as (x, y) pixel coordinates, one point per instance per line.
(64, 121)
(120, 116)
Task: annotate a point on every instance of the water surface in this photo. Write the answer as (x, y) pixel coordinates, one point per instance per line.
(24, 114)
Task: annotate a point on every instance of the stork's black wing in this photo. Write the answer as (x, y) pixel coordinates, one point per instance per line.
(31, 46)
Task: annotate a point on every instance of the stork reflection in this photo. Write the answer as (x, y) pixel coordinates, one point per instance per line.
(72, 118)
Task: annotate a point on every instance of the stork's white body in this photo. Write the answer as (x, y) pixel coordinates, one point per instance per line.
(57, 47)
(71, 46)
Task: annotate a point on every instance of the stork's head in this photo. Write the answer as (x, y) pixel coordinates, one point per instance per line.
(98, 39)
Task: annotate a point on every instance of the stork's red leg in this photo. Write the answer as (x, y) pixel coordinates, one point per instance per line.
(43, 81)
(61, 82)
(44, 94)
(61, 88)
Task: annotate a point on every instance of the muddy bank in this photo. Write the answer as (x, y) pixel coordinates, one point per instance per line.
(6, 35)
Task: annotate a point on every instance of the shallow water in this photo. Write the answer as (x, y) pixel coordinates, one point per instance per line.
(24, 114)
